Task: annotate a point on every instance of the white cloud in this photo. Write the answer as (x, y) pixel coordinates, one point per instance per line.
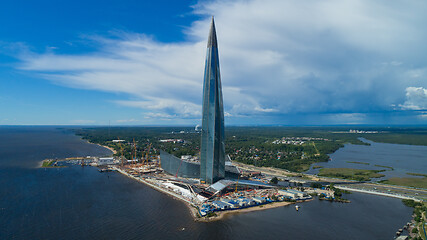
(166, 107)
(416, 99)
(276, 57)
(161, 116)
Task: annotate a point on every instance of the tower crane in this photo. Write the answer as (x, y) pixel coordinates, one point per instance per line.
(121, 148)
(146, 154)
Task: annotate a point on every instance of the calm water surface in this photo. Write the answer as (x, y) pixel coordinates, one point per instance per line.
(81, 203)
(403, 158)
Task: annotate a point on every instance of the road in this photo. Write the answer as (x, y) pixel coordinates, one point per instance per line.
(367, 187)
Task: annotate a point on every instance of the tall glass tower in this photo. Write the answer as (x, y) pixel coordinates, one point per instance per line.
(212, 155)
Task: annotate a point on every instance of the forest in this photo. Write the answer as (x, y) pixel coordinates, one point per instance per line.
(250, 145)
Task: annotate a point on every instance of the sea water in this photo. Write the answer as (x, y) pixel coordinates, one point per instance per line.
(80, 203)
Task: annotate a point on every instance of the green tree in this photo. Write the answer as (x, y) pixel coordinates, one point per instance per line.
(274, 180)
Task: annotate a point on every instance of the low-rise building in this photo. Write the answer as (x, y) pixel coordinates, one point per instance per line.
(244, 202)
(221, 205)
(106, 161)
(259, 200)
(293, 194)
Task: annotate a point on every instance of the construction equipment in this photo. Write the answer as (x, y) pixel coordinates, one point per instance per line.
(176, 175)
(134, 148)
(146, 154)
(121, 148)
(237, 183)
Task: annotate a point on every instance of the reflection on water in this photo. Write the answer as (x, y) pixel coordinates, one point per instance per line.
(81, 203)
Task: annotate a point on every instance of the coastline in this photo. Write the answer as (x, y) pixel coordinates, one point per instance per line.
(88, 141)
(223, 214)
(107, 147)
(40, 165)
(193, 210)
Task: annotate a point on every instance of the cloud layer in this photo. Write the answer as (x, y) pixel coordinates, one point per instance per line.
(416, 99)
(345, 58)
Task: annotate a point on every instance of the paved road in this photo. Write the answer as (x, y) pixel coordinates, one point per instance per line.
(364, 186)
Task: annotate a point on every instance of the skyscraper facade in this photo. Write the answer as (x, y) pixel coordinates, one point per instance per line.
(212, 155)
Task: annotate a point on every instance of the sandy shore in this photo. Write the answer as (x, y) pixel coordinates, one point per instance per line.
(109, 148)
(222, 214)
(194, 211)
(41, 164)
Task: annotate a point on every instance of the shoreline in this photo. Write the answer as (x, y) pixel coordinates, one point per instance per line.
(223, 214)
(191, 207)
(104, 146)
(40, 165)
(107, 147)
(195, 213)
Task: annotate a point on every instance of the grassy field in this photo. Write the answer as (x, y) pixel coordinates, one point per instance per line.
(47, 163)
(364, 163)
(376, 165)
(409, 182)
(50, 164)
(412, 137)
(417, 174)
(350, 173)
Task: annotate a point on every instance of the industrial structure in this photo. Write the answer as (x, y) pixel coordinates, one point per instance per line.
(188, 168)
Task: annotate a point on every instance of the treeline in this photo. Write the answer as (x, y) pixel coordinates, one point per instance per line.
(250, 145)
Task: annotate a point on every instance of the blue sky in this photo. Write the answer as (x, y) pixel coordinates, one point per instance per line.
(282, 62)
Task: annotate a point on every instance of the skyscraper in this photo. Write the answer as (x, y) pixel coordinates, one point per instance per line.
(212, 155)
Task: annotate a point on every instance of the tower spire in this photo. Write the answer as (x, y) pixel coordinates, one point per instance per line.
(212, 42)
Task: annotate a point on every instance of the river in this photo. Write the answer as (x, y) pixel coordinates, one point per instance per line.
(402, 158)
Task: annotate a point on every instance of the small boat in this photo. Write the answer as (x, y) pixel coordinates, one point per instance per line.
(297, 207)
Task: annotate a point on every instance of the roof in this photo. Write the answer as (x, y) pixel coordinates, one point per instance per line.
(294, 191)
(254, 183)
(222, 184)
(220, 203)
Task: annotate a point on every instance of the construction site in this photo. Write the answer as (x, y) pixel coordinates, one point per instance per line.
(241, 190)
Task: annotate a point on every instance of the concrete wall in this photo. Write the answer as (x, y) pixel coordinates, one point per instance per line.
(172, 165)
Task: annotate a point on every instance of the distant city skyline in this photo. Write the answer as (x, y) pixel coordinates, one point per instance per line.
(283, 62)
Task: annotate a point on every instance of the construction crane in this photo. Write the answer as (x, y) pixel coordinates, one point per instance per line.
(134, 148)
(237, 183)
(176, 175)
(146, 154)
(121, 148)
